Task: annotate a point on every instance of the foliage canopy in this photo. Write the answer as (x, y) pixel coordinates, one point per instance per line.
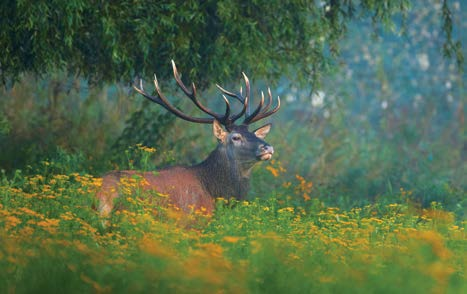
(107, 41)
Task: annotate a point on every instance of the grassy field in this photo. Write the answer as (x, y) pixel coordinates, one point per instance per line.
(366, 192)
(52, 241)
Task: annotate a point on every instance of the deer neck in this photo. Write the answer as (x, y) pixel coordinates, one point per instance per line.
(223, 175)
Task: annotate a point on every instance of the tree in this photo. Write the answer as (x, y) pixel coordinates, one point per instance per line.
(106, 41)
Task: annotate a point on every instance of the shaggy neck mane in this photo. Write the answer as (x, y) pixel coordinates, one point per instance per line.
(222, 175)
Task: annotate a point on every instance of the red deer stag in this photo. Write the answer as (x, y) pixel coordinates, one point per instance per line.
(224, 173)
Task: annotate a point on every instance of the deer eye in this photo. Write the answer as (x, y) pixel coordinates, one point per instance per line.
(236, 137)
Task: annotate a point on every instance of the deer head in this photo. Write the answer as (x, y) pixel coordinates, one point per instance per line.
(240, 144)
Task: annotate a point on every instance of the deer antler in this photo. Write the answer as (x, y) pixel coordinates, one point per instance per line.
(259, 112)
(225, 119)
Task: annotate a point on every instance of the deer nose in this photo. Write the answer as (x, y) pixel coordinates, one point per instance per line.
(265, 148)
(265, 152)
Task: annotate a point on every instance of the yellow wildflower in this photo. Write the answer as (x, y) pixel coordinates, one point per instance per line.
(274, 171)
(49, 225)
(11, 222)
(232, 239)
(30, 212)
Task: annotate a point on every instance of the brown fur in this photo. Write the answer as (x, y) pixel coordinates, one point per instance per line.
(167, 182)
(225, 173)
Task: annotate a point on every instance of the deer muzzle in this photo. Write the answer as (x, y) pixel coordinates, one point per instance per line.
(264, 152)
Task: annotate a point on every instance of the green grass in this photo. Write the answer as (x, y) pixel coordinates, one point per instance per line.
(53, 242)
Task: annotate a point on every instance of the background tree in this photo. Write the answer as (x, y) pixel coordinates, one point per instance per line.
(389, 115)
(117, 40)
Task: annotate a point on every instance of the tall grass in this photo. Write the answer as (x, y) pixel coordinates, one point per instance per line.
(366, 192)
(53, 241)
(349, 166)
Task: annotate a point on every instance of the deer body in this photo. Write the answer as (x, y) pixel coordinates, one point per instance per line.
(179, 184)
(224, 173)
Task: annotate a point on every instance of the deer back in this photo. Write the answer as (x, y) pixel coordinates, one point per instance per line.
(177, 185)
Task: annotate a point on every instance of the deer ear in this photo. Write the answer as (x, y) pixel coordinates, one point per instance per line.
(218, 131)
(262, 131)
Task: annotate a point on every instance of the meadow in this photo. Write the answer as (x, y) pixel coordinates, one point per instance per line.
(371, 208)
(366, 192)
(53, 241)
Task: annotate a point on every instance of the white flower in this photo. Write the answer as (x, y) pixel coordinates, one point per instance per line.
(423, 61)
(384, 104)
(317, 98)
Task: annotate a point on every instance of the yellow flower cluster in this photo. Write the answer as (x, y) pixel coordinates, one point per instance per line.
(275, 168)
(243, 244)
(145, 148)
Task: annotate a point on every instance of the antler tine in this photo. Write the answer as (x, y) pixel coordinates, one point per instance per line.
(243, 99)
(142, 92)
(247, 85)
(247, 95)
(249, 118)
(265, 114)
(242, 112)
(239, 97)
(227, 108)
(163, 101)
(268, 104)
(192, 95)
(179, 81)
